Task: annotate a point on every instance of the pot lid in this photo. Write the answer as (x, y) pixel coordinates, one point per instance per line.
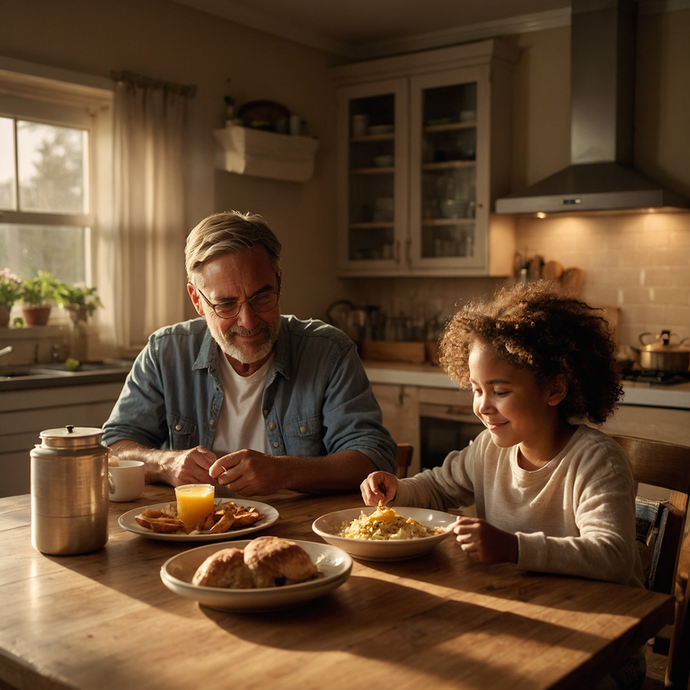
(71, 437)
(663, 343)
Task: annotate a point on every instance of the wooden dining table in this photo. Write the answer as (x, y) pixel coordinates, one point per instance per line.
(105, 620)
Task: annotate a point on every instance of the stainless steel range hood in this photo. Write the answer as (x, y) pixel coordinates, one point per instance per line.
(601, 176)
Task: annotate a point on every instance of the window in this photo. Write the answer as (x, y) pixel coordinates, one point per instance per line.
(44, 197)
(53, 188)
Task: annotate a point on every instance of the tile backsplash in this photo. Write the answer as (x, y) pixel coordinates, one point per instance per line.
(639, 263)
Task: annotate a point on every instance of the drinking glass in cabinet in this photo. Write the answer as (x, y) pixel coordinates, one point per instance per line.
(450, 239)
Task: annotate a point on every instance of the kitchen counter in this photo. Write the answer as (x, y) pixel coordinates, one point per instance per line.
(427, 375)
(401, 374)
(55, 375)
(392, 373)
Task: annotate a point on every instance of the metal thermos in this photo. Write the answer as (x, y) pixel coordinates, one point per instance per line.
(69, 491)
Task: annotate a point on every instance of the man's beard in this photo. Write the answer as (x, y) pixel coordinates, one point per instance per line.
(226, 341)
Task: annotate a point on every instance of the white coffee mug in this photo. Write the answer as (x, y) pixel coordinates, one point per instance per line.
(127, 480)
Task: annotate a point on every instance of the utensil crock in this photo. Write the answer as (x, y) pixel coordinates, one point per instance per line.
(69, 491)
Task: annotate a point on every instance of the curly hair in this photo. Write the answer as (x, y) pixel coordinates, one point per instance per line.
(535, 326)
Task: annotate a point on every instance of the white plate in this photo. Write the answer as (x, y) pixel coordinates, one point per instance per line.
(384, 549)
(127, 522)
(333, 564)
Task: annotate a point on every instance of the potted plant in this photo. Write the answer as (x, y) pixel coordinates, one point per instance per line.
(10, 291)
(79, 301)
(38, 296)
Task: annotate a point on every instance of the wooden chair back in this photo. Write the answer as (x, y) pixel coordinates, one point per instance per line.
(403, 458)
(667, 465)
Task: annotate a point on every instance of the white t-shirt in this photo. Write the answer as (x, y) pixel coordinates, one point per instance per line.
(241, 421)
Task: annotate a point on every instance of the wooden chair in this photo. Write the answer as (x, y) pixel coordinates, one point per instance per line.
(403, 458)
(668, 466)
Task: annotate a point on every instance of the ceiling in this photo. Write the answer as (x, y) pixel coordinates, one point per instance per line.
(360, 29)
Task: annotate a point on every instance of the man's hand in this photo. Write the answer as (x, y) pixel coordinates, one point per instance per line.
(484, 542)
(250, 473)
(379, 487)
(190, 467)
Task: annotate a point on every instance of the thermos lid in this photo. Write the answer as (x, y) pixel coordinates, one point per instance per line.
(71, 437)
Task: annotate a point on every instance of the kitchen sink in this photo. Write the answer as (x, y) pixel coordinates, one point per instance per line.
(14, 373)
(57, 369)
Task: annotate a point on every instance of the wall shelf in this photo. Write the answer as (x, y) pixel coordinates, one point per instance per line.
(247, 151)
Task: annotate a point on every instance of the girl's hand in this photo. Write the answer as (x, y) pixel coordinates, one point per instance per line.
(379, 487)
(484, 542)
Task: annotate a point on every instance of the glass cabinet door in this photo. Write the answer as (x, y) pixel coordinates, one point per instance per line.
(372, 190)
(447, 222)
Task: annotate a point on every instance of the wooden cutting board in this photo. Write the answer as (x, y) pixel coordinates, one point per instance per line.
(553, 270)
(571, 281)
(393, 351)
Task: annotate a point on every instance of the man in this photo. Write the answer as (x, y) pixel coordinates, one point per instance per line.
(245, 397)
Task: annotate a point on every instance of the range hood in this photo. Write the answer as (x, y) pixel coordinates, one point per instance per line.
(601, 176)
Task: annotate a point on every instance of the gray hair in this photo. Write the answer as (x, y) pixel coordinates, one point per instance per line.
(229, 232)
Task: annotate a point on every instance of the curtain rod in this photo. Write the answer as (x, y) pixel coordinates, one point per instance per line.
(140, 80)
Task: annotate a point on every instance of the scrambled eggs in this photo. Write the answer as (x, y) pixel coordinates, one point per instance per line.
(385, 523)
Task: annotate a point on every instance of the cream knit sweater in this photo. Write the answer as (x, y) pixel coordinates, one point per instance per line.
(574, 516)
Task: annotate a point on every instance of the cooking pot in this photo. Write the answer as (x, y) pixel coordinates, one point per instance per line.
(663, 355)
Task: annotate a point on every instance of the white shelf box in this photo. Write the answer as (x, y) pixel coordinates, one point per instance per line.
(247, 151)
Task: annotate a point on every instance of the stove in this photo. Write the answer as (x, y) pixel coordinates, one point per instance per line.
(659, 378)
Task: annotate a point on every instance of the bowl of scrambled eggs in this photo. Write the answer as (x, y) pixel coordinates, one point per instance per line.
(384, 534)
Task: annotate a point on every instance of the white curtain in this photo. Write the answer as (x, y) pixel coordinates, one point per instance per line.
(149, 230)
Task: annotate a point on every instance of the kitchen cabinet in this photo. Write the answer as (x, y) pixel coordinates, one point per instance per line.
(24, 414)
(400, 409)
(423, 150)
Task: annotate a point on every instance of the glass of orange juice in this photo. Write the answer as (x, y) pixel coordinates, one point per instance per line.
(194, 503)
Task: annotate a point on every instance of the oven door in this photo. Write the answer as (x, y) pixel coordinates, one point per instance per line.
(444, 428)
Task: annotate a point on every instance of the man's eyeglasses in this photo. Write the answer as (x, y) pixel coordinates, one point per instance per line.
(260, 303)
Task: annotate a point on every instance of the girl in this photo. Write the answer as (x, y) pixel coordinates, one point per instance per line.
(551, 494)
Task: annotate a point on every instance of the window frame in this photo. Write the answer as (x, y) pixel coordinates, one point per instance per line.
(60, 97)
(26, 110)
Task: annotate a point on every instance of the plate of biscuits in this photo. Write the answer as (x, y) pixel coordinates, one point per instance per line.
(228, 520)
(262, 574)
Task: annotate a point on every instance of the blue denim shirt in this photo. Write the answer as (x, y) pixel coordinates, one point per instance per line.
(317, 399)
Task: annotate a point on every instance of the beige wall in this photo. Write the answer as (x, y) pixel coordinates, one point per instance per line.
(168, 41)
(647, 258)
